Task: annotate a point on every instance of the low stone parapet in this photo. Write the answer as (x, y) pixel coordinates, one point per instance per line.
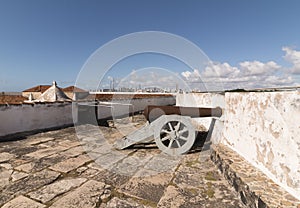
(255, 189)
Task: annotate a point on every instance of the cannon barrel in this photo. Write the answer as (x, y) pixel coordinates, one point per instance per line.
(153, 112)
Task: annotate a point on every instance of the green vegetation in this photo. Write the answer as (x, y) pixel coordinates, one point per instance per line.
(209, 192)
(115, 193)
(192, 163)
(193, 191)
(210, 176)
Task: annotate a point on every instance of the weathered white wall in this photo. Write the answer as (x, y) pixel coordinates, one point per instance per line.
(26, 117)
(263, 127)
(35, 95)
(121, 107)
(206, 100)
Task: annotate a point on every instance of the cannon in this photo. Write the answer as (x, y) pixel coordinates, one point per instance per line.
(170, 127)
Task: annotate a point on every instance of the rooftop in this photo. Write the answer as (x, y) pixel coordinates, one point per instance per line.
(12, 99)
(38, 88)
(53, 94)
(73, 89)
(56, 169)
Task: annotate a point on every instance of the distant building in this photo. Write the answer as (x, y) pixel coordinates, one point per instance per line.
(11, 99)
(126, 89)
(153, 89)
(75, 93)
(52, 94)
(71, 92)
(36, 91)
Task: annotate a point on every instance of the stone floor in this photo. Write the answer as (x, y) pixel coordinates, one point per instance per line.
(78, 167)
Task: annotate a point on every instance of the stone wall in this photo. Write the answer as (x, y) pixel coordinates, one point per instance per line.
(28, 117)
(209, 100)
(263, 127)
(122, 107)
(35, 95)
(116, 108)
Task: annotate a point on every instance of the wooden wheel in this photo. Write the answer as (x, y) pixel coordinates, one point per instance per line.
(175, 134)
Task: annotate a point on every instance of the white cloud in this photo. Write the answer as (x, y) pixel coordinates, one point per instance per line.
(293, 57)
(275, 80)
(191, 76)
(258, 68)
(219, 76)
(220, 70)
(247, 75)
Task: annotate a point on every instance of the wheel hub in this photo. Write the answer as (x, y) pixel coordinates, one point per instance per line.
(175, 134)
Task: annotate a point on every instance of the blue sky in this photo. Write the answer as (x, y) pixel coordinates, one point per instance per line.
(42, 41)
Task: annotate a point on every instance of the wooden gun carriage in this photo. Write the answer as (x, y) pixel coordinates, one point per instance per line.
(170, 127)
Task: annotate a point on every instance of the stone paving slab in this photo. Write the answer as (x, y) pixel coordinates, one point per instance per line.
(39, 141)
(57, 169)
(6, 166)
(149, 188)
(27, 167)
(71, 164)
(73, 152)
(34, 181)
(171, 198)
(16, 175)
(128, 203)
(5, 156)
(48, 192)
(87, 196)
(4, 177)
(46, 152)
(23, 202)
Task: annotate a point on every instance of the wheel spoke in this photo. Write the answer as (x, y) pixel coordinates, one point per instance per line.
(170, 126)
(175, 134)
(183, 138)
(177, 126)
(183, 131)
(165, 138)
(165, 131)
(170, 144)
(178, 143)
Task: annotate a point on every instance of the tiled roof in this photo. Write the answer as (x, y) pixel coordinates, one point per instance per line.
(39, 88)
(53, 94)
(12, 99)
(73, 89)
